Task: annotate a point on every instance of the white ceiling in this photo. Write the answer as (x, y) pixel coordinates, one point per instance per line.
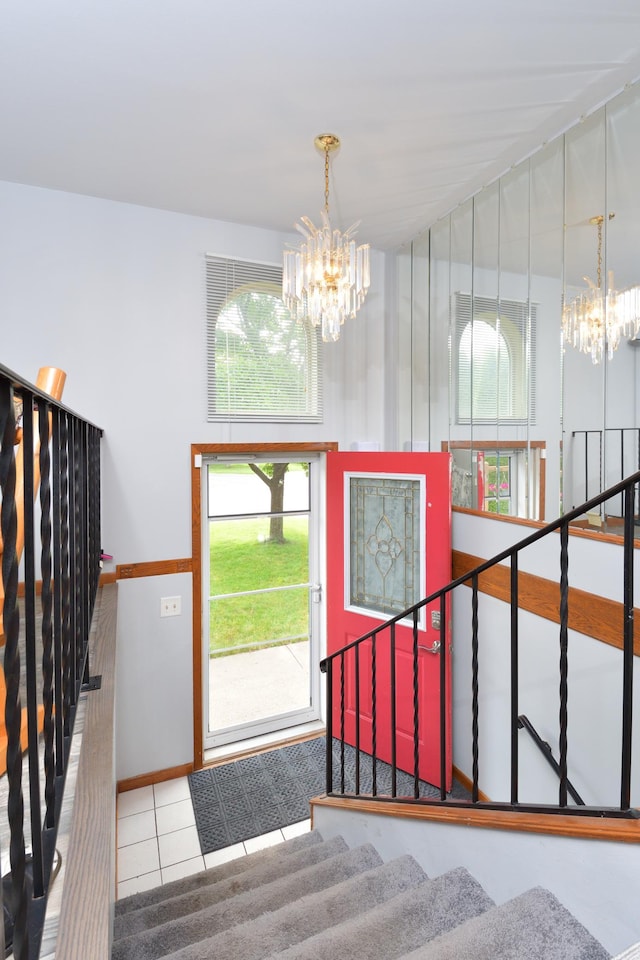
(210, 107)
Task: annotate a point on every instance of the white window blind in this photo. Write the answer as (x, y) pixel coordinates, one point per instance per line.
(262, 364)
(495, 359)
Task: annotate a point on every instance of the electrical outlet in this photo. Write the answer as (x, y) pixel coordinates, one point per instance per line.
(170, 606)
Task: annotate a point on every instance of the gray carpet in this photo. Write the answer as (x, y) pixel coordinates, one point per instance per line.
(309, 913)
(246, 798)
(239, 925)
(532, 926)
(315, 899)
(416, 915)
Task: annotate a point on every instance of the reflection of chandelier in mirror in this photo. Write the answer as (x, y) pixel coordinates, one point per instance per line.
(327, 278)
(595, 321)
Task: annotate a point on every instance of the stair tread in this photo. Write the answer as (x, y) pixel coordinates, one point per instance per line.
(222, 871)
(402, 923)
(225, 890)
(532, 926)
(309, 914)
(241, 910)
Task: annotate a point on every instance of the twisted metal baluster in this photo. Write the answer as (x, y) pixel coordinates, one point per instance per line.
(56, 512)
(564, 659)
(416, 737)
(392, 686)
(13, 707)
(474, 685)
(30, 660)
(627, 669)
(374, 680)
(47, 607)
(329, 743)
(514, 678)
(95, 511)
(82, 548)
(83, 553)
(64, 573)
(94, 504)
(73, 568)
(356, 655)
(342, 721)
(444, 687)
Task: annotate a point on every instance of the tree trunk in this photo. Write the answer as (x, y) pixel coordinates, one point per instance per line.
(276, 487)
(276, 525)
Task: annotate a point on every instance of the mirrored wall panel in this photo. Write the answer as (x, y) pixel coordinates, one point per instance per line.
(525, 311)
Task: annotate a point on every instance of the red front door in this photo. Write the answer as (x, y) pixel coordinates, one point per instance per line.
(389, 546)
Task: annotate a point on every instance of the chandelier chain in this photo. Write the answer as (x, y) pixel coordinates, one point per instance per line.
(326, 180)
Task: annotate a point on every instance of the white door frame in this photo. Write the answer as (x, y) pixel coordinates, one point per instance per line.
(315, 712)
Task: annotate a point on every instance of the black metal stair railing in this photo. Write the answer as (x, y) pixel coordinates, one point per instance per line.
(346, 662)
(612, 450)
(61, 575)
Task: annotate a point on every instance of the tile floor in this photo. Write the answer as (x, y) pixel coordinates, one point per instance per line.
(158, 840)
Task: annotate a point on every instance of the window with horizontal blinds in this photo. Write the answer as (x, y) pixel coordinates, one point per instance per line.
(261, 363)
(494, 359)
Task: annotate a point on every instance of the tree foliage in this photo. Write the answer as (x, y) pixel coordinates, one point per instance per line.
(258, 343)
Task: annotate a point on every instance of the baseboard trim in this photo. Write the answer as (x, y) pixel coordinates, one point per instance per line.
(465, 782)
(156, 776)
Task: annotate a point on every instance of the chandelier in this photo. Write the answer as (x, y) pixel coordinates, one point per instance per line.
(326, 279)
(596, 319)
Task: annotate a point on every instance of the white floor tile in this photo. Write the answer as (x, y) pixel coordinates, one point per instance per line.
(179, 845)
(171, 791)
(139, 826)
(158, 840)
(232, 852)
(137, 884)
(135, 801)
(138, 859)
(184, 869)
(266, 840)
(175, 816)
(296, 829)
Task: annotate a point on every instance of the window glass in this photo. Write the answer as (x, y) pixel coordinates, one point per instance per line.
(494, 360)
(262, 364)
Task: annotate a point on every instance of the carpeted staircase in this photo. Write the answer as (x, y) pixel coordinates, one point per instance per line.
(311, 899)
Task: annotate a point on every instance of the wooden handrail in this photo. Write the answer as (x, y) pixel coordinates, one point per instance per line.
(87, 883)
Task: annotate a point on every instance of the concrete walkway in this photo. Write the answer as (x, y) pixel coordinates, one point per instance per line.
(248, 687)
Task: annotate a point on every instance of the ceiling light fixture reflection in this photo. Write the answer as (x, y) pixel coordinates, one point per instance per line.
(596, 320)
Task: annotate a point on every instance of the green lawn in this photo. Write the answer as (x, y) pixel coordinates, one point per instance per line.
(242, 558)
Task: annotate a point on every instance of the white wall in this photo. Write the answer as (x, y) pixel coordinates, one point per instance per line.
(595, 674)
(596, 880)
(114, 295)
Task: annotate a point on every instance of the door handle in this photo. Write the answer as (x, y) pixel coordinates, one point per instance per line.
(434, 648)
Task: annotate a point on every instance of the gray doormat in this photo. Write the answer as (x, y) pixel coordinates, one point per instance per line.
(246, 798)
